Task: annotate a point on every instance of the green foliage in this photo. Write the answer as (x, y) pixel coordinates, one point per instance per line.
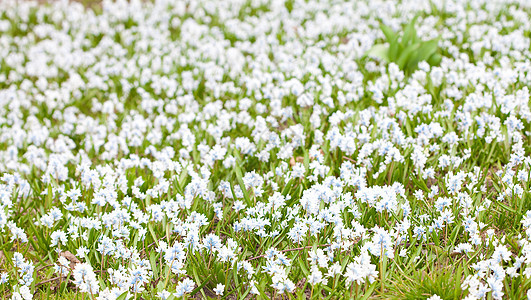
(406, 50)
(444, 282)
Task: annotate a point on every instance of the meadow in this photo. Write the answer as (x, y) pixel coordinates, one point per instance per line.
(265, 149)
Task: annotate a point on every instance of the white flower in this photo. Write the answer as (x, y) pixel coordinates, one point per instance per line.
(164, 295)
(219, 289)
(184, 287)
(85, 279)
(316, 276)
(26, 293)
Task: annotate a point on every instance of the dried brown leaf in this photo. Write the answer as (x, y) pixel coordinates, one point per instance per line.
(71, 258)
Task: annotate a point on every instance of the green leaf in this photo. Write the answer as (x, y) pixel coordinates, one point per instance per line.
(122, 296)
(505, 207)
(182, 179)
(453, 236)
(394, 48)
(405, 55)
(287, 188)
(435, 59)
(380, 51)
(458, 276)
(160, 286)
(49, 196)
(153, 262)
(368, 293)
(423, 53)
(153, 235)
(427, 49)
(199, 287)
(239, 178)
(244, 295)
(410, 33)
(235, 276)
(304, 269)
(390, 35)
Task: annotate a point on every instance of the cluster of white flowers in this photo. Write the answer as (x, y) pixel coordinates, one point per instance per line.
(251, 147)
(85, 279)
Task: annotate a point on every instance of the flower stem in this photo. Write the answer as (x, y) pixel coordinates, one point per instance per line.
(381, 269)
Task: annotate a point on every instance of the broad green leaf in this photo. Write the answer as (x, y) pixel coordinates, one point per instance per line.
(410, 33)
(380, 51)
(405, 55)
(390, 35)
(425, 51)
(435, 59)
(49, 196)
(304, 269)
(394, 48)
(287, 188)
(153, 235)
(244, 295)
(122, 296)
(454, 234)
(458, 276)
(239, 178)
(153, 262)
(368, 293)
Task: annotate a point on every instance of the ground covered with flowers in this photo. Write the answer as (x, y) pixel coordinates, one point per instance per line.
(255, 149)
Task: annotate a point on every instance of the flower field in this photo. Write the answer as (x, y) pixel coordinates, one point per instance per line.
(265, 149)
